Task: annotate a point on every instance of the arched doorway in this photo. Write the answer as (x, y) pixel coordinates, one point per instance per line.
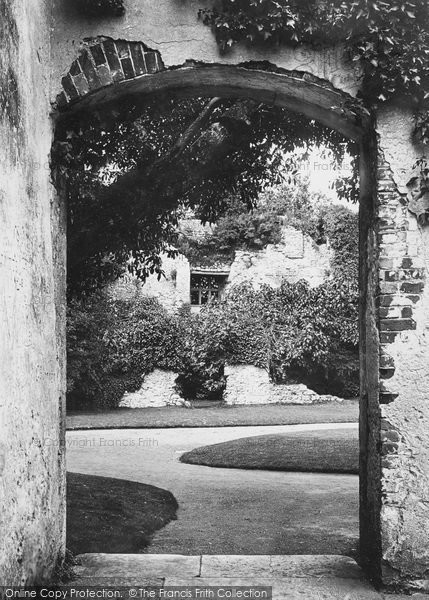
(109, 72)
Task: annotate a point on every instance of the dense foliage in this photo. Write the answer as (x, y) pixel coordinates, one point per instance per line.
(112, 343)
(293, 203)
(388, 38)
(126, 178)
(298, 333)
(237, 229)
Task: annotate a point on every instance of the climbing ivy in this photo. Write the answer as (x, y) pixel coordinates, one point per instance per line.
(389, 39)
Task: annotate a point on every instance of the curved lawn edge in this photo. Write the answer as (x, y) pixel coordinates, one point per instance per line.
(318, 451)
(221, 416)
(111, 515)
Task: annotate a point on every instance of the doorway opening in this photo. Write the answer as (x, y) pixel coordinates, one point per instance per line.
(236, 86)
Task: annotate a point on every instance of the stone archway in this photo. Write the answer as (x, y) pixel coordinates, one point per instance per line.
(392, 268)
(109, 70)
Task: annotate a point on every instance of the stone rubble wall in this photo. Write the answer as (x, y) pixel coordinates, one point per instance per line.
(295, 257)
(246, 384)
(173, 290)
(404, 357)
(156, 391)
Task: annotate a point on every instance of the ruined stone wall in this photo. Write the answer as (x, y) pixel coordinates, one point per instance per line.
(247, 384)
(404, 357)
(157, 390)
(173, 290)
(295, 257)
(32, 320)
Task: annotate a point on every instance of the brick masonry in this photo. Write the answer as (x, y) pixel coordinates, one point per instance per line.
(104, 64)
(401, 272)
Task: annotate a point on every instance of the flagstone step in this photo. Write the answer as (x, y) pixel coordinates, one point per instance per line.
(306, 577)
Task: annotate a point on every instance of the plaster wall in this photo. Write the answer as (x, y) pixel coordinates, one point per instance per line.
(32, 320)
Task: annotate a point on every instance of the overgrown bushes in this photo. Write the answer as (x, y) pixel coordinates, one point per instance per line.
(298, 333)
(112, 343)
(236, 229)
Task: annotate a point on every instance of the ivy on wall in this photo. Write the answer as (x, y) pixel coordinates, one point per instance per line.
(389, 39)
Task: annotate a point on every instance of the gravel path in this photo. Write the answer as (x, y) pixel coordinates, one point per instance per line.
(227, 511)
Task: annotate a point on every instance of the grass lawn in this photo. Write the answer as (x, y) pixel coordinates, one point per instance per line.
(217, 416)
(328, 451)
(114, 515)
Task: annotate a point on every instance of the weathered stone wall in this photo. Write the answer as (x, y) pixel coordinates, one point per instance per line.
(295, 257)
(173, 290)
(157, 390)
(404, 357)
(247, 384)
(32, 323)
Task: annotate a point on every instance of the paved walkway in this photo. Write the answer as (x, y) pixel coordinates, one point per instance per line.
(227, 511)
(290, 577)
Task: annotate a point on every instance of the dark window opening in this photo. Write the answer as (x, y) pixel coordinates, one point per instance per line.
(206, 288)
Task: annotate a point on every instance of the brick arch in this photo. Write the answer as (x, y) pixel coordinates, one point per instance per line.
(108, 70)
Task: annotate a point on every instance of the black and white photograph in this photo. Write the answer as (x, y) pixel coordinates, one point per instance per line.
(214, 299)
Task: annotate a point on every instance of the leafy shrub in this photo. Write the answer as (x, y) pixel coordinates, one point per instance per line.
(112, 343)
(296, 332)
(202, 361)
(340, 226)
(236, 229)
(315, 337)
